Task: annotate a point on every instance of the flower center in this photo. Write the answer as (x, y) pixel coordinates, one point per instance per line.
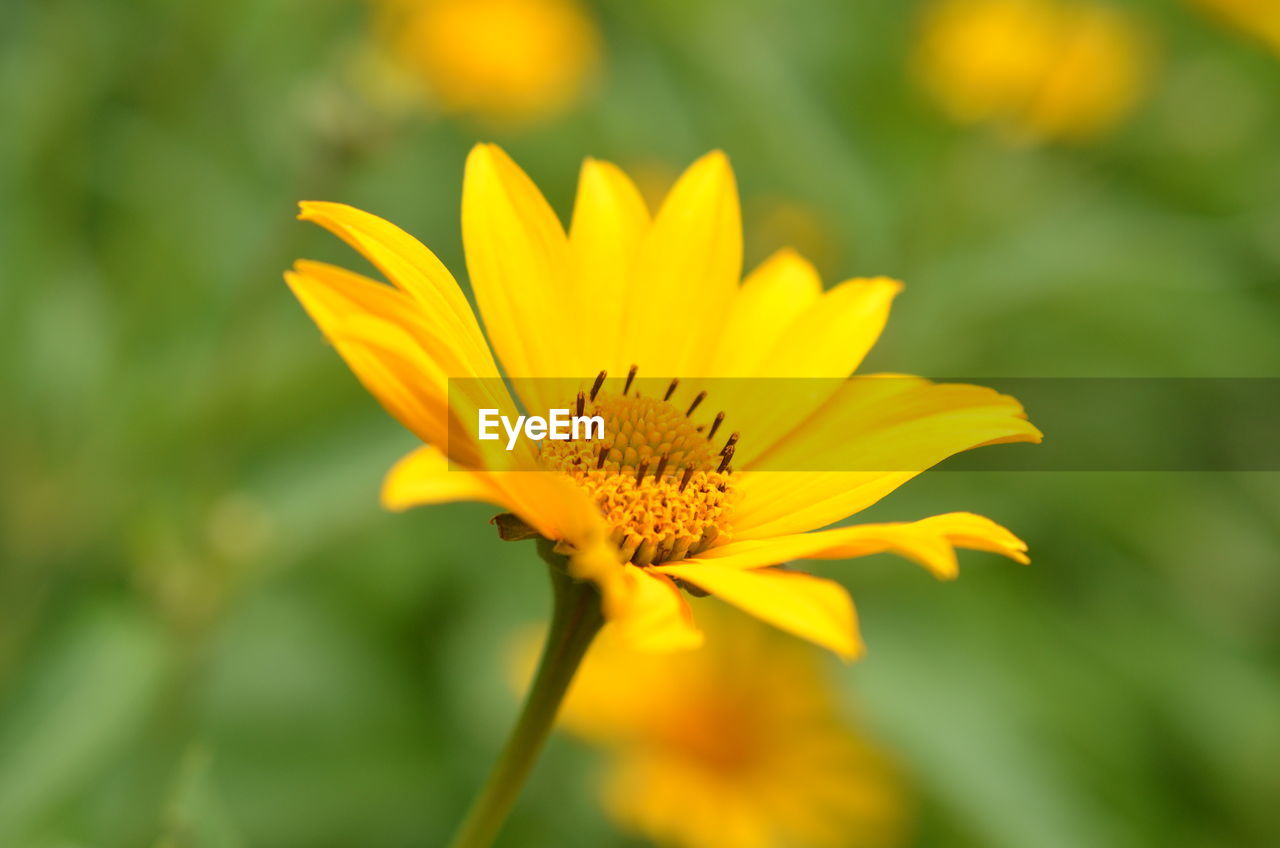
(660, 480)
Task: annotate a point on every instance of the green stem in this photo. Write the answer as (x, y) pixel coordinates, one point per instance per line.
(574, 623)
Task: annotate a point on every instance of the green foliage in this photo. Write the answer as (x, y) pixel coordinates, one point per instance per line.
(210, 634)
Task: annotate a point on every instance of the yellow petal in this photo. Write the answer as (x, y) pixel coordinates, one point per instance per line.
(932, 542)
(881, 431)
(350, 294)
(823, 344)
(651, 614)
(413, 269)
(518, 258)
(547, 502)
(771, 297)
(774, 503)
(832, 336)
(402, 358)
(553, 505)
(686, 273)
(609, 222)
(810, 607)
(595, 558)
(380, 348)
(424, 477)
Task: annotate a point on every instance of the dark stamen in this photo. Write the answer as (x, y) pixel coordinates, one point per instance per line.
(688, 474)
(725, 458)
(644, 466)
(604, 453)
(631, 375)
(662, 466)
(595, 387)
(715, 425)
(701, 396)
(728, 445)
(671, 389)
(582, 404)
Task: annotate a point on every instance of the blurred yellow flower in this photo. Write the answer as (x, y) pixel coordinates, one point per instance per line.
(1039, 69)
(655, 506)
(1260, 18)
(740, 744)
(506, 61)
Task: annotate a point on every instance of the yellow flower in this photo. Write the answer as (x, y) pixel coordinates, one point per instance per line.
(624, 290)
(1040, 69)
(740, 744)
(508, 61)
(1260, 18)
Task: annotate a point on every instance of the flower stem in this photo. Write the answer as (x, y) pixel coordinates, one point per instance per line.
(574, 623)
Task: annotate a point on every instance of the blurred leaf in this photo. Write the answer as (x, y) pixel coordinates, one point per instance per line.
(75, 708)
(197, 817)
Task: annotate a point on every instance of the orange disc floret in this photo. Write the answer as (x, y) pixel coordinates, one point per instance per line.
(655, 475)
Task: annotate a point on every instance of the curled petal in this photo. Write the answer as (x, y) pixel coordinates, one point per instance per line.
(932, 542)
(414, 270)
(652, 614)
(810, 607)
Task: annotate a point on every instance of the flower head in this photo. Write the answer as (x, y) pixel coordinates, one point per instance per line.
(739, 743)
(507, 61)
(1039, 69)
(676, 496)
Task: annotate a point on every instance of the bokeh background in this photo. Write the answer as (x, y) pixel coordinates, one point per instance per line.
(211, 635)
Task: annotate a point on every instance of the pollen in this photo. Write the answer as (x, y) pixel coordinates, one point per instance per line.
(662, 480)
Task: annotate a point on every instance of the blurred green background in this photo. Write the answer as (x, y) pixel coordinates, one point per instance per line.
(211, 635)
